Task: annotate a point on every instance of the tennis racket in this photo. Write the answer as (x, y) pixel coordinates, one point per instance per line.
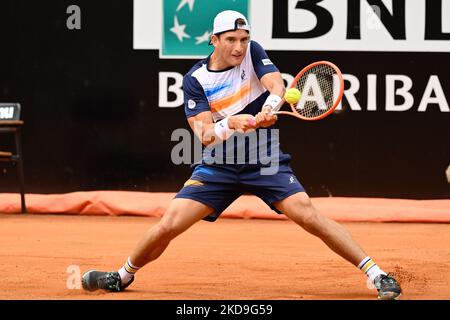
(321, 86)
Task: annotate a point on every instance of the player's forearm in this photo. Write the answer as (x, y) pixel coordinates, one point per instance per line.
(277, 89)
(273, 82)
(206, 134)
(225, 128)
(275, 85)
(210, 133)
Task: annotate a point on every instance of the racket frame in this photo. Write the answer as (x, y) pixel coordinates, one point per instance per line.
(294, 112)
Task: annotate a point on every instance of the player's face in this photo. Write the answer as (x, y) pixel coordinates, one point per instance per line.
(231, 47)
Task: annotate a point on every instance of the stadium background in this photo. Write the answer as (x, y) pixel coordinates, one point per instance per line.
(92, 119)
(95, 119)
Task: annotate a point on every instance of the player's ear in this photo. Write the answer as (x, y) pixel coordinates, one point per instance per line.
(214, 40)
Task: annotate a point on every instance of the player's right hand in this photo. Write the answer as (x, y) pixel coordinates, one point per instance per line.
(242, 123)
(265, 118)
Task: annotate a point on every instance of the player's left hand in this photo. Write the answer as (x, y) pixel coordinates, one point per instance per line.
(264, 118)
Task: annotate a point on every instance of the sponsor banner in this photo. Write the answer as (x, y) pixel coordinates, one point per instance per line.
(176, 28)
(363, 92)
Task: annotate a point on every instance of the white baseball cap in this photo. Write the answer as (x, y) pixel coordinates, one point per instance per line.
(226, 21)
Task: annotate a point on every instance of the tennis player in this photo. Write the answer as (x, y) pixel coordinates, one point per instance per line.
(231, 93)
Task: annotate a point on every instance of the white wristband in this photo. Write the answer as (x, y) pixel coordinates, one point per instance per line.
(273, 101)
(222, 130)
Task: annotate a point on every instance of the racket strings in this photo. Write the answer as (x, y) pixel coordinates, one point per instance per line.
(317, 88)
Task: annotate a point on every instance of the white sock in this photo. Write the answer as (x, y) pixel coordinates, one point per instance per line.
(127, 271)
(370, 268)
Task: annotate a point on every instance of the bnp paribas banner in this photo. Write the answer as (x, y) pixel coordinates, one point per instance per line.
(187, 25)
(181, 28)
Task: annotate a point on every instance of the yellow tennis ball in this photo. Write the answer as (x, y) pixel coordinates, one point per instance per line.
(292, 95)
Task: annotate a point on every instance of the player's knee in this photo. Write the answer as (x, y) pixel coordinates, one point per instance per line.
(165, 232)
(307, 215)
(304, 203)
(308, 219)
(313, 224)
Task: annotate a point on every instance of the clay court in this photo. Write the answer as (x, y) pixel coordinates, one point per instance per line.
(107, 107)
(230, 259)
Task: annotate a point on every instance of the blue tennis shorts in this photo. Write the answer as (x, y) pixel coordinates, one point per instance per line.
(218, 186)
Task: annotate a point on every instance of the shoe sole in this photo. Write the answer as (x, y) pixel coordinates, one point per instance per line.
(390, 296)
(85, 280)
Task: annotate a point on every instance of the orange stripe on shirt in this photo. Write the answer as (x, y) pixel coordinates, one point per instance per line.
(223, 103)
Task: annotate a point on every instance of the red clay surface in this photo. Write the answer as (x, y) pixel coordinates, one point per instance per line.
(228, 259)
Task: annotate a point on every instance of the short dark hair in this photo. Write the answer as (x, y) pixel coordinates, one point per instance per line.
(239, 22)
